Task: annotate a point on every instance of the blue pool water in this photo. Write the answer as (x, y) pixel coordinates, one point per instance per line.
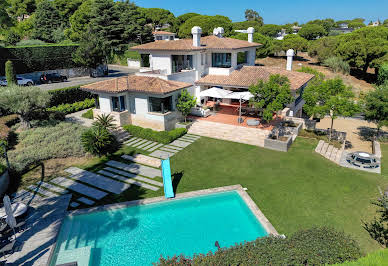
(139, 235)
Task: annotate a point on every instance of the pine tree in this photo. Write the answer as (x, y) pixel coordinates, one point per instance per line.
(47, 20)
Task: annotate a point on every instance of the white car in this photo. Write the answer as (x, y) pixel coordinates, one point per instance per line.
(21, 81)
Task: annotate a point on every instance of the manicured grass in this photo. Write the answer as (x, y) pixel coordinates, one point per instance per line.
(297, 189)
(88, 114)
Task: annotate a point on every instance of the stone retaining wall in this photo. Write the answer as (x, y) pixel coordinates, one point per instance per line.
(69, 72)
(278, 145)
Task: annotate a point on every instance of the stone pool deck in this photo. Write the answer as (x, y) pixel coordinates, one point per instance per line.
(35, 243)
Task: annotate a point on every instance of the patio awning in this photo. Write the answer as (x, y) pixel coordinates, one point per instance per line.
(243, 95)
(215, 92)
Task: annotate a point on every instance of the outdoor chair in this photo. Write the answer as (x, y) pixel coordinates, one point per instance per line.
(8, 247)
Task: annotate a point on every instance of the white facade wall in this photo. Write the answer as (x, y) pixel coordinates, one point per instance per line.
(105, 103)
(161, 61)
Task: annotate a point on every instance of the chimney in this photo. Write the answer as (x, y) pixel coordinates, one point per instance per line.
(250, 32)
(196, 31)
(219, 32)
(290, 55)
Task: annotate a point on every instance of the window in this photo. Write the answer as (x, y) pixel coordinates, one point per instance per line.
(118, 104)
(181, 62)
(145, 60)
(242, 58)
(158, 38)
(223, 60)
(96, 101)
(171, 38)
(160, 105)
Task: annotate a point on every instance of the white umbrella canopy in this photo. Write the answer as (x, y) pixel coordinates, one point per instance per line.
(11, 221)
(243, 95)
(215, 93)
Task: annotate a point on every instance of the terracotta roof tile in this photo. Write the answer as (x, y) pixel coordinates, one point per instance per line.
(160, 32)
(249, 75)
(209, 42)
(136, 84)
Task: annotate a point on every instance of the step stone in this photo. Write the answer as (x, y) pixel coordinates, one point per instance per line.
(319, 146)
(79, 188)
(155, 147)
(333, 154)
(136, 168)
(143, 159)
(122, 174)
(74, 204)
(324, 148)
(328, 152)
(139, 143)
(86, 201)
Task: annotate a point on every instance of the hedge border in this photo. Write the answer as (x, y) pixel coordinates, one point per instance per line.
(164, 137)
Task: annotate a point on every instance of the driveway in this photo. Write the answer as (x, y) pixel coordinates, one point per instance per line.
(114, 72)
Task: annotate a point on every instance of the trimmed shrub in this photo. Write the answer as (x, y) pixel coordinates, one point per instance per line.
(68, 95)
(315, 246)
(69, 108)
(10, 74)
(53, 140)
(31, 42)
(99, 141)
(337, 65)
(164, 137)
(38, 57)
(382, 76)
(88, 114)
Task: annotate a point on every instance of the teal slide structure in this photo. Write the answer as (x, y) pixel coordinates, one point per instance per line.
(167, 183)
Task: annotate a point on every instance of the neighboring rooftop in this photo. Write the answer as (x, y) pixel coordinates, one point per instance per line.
(160, 32)
(249, 75)
(136, 84)
(208, 42)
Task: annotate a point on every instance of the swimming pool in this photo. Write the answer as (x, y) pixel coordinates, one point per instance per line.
(139, 235)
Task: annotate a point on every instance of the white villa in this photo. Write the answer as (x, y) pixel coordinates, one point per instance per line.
(149, 97)
(163, 35)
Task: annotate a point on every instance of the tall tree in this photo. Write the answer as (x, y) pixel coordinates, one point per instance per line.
(5, 20)
(266, 47)
(272, 95)
(376, 106)
(10, 74)
(332, 97)
(20, 8)
(270, 30)
(158, 16)
(207, 23)
(364, 48)
(251, 14)
(327, 24)
(312, 31)
(46, 21)
(66, 9)
(79, 21)
(295, 42)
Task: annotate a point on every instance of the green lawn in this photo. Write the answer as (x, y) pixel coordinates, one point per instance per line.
(297, 189)
(294, 190)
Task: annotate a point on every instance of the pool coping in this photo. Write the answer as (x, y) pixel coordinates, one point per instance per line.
(240, 190)
(114, 206)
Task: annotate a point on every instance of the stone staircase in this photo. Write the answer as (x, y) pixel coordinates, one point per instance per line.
(329, 151)
(121, 135)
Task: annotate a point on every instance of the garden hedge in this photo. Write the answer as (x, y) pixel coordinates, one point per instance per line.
(68, 95)
(28, 59)
(315, 246)
(164, 137)
(69, 108)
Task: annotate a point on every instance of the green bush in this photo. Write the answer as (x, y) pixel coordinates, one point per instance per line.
(10, 74)
(99, 141)
(68, 95)
(315, 246)
(337, 65)
(375, 258)
(383, 74)
(164, 137)
(31, 42)
(53, 140)
(88, 114)
(69, 108)
(2, 168)
(38, 57)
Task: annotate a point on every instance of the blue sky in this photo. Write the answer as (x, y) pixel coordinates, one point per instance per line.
(278, 11)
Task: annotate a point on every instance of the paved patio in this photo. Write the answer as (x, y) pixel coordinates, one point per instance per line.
(42, 225)
(247, 135)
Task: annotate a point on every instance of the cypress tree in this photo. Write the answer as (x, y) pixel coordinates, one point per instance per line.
(10, 74)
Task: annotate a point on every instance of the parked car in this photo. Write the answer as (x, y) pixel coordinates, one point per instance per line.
(52, 77)
(21, 81)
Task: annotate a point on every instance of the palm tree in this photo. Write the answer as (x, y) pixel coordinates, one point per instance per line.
(105, 121)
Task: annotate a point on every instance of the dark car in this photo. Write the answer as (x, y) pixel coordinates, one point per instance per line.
(52, 77)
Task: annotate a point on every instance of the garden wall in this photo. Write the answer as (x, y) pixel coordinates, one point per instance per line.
(277, 145)
(68, 72)
(133, 63)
